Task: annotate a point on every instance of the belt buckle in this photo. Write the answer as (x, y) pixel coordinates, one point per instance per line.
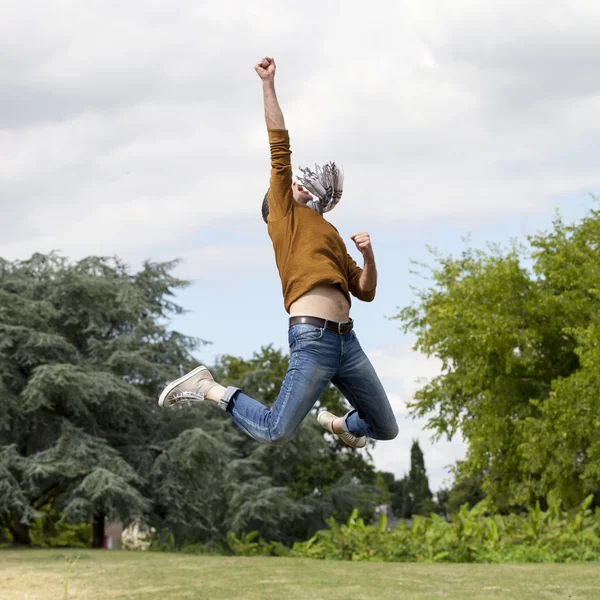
(344, 328)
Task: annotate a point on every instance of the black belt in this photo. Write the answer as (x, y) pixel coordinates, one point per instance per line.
(341, 328)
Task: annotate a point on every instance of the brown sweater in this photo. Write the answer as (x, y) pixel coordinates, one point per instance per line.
(309, 251)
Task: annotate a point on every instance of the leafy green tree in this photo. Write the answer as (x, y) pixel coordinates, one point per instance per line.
(84, 348)
(465, 490)
(516, 331)
(398, 495)
(382, 483)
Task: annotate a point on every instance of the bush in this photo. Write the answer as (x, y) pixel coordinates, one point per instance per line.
(51, 531)
(5, 538)
(246, 546)
(474, 535)
(162, 540)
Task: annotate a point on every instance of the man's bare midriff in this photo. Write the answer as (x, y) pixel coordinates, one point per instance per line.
(326, 302)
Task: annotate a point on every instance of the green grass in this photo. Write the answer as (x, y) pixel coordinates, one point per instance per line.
(40, 575)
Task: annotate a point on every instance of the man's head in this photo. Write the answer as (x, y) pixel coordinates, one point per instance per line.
(298, 191)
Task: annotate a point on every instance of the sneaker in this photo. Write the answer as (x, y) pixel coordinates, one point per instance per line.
(192, 387)
(326, 420)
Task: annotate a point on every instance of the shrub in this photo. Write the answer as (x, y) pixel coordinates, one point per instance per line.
(51, 531)
(469, 536)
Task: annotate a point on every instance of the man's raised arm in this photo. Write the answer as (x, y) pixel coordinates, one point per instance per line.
(273, 115)
(280, 191)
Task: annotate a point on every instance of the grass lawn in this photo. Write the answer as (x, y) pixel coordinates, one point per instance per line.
(40, 575)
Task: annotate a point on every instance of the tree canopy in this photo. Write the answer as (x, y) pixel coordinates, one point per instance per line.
(517, 333)
(85, 348)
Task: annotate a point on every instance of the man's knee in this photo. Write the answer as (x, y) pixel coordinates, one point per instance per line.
(279, 438)
(388, 433)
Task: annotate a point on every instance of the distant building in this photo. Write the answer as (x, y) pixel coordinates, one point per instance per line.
(112, 535)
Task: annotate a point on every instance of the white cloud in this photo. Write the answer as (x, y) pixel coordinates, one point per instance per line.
(119, 123)
(404, 367)
(231, 258)
(397, 403)
(137, 129)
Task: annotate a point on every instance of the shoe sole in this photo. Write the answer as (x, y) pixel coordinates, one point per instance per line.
(174, 384)
(350, 445)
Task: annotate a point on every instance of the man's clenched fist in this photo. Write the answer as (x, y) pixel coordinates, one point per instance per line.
(363, 243)
(266, 69)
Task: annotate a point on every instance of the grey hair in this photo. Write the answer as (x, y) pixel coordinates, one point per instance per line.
(265, 207)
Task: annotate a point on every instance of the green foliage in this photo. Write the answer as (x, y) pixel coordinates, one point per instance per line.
(411, 494)
(5, 537)
(202, 549)
(285, 493)
(417, 488)
(209, 478)
(246, 546)
(84, 348)
(469, 536)
(466, 489)
(51, 531)
(516, 332)
(162, 541)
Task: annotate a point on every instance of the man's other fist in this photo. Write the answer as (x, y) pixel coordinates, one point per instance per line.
(363, 244)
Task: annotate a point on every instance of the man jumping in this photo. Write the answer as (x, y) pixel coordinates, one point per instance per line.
(317, 277)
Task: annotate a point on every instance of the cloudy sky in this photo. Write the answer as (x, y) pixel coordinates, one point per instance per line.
(136, 129)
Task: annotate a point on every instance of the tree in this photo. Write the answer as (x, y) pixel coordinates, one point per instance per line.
(399, 499)
(516, 331)
(289, 491)
(411, 494)
(210, 478)
(84, 348)
(417, 487)
(465, 490)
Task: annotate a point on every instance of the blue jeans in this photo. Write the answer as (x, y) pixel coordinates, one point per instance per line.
(317, 356)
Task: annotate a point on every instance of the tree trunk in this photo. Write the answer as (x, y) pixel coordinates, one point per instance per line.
(20, 533)
(98, 529)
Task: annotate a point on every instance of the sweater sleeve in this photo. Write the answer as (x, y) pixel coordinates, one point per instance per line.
(280, 191)
(353, 272)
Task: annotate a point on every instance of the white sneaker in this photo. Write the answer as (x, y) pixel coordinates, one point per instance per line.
(192, 387)
(326, 420)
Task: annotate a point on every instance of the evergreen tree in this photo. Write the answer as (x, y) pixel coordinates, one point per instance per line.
(289, 491)
(398, 495)
(417, 487)
(411, 495)
(83, 350)
(210, 478)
